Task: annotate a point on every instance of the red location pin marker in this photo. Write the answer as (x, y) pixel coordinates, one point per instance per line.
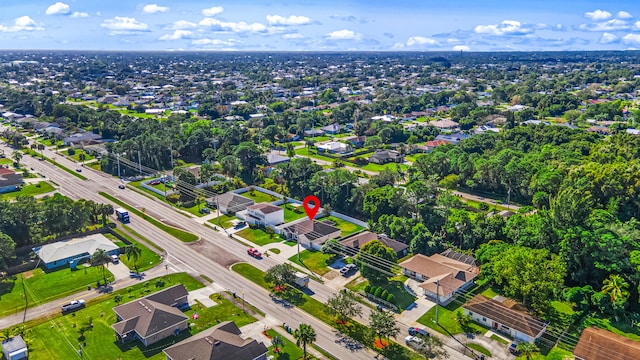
(311, 211)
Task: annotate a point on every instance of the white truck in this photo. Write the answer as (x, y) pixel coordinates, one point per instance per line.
(73, 305)
(302, 280)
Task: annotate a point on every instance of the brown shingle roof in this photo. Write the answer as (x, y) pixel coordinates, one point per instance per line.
(494, 310)
(220, 342)
(599, 344)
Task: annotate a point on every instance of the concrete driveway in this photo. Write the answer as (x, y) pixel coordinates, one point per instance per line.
(120, 271)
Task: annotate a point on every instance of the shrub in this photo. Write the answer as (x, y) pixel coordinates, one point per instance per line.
(384, 294)
(367, 289)
(377, 292)
(391, 299)
(173, 198)
(71, 152)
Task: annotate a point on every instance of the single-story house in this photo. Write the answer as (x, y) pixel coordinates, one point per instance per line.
(153, 317)
(230, 202)
(9, 180)
(71, 252)
(223, 341)
(357, 141)
(599, 344)
(359, 240)
(334, 147)
(386, 156)
(310, 234)
(444, 124)
(332, 129)
(264, 214)
(442, 273)
(15, 348)
(499, 317)
(313, 132)
(452, 138)
(274, 159)
(82, 138)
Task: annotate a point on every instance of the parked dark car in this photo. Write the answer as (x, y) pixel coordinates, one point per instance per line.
(513, 348)
(414, 331)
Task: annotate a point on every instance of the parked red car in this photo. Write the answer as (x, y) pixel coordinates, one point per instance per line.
(254, 252)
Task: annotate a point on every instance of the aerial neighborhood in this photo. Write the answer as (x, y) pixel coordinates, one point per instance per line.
(338, 205)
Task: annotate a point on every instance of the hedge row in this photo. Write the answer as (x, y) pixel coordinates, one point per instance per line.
(380, 293)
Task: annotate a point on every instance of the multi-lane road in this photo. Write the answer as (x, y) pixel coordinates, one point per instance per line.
(211, 255)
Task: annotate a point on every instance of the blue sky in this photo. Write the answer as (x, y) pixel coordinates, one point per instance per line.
(329, 25)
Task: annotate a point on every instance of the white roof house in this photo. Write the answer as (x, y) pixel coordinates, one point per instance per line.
(62, 252)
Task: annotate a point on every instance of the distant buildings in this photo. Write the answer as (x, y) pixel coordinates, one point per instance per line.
(9, 180)
(14, 348)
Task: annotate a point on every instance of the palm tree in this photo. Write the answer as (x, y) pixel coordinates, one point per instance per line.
(304, 335)
(277, 342)
(106, 210)
(5, 334)
(616, 287)
(134, 252)
(101, 257)
(527, 349)
(17, 156)
(433, 348)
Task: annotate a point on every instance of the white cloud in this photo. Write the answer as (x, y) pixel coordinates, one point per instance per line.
(631, 39)
(182, 24)
(421, 40)
(212, 11)
(506, 28)
(124, 25)
(177, 35)
(240, 27)
(461, 48)
(609, 25)
(597, 15)
(154, 9)
(637, 25)
(343, 35)
(79, 14)
(291, 20)
(607, 38)
(292, 36)
(23, 23)
(624, 15)
(216, 42)
(58, 8)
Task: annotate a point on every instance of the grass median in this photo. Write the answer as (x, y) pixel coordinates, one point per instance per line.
(181, 235)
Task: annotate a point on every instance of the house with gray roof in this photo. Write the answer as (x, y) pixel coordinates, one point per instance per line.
(153, 317)
(15, 348)
(223, 341)
(230, 202)
(310, 233)
(72, 252)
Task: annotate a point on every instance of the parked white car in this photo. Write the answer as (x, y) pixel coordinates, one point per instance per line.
(414, 342)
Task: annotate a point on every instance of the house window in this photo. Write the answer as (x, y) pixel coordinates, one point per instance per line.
(470, 313)
(484, 318)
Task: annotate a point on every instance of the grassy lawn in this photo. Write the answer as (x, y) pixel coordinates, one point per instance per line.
(5, 161)
(195, 209)
(395, 287)
(42, 187)
(258, 196)
(313, 154)
(379, 168)
(59, 338)
(315, 261)
(181, 235)
(446, 319)
(223, 311)
(290, 351)
(76, 156)
(347, 228)
(479, 349)
(223, 220)
(499, 339)
(43, 287)
(147, 258)
(258, 236)
(290, 213)
(252, 273)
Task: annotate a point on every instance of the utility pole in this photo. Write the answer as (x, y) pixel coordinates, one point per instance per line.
(508, 197)
(298, 238)
(139, 164)
(118, 156)
(437, 298)
(171, 154)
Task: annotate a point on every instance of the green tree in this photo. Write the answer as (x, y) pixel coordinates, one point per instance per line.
(280, 275)
(101, 258)
(616, 287)
(106, 210)
(133, 251)
(383, 324)
(433, 348)
(304, 335)
(7, 245)
(230, 165)
(277, 342)
(250, 157)
(17, 156)
(527, 349)
(344, 305)
(374, 260)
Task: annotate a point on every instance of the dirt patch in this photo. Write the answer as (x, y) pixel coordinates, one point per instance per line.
(330, 275)
(215, 253)
(27, 274)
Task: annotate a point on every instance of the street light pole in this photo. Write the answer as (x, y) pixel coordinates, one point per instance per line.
(437, 298)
